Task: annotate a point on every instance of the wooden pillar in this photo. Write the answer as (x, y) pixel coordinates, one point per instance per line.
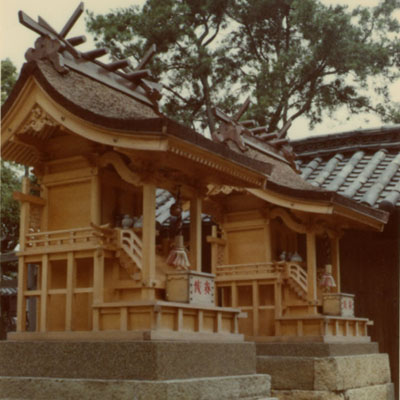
(44, 194)
(21, 302)
(95, 203)
(44, 292)
(195, 233)
(214, 250)
(267, 241)
(24, 214)
(234, 295)
(70, 290)
(98, 286)
(149, 240)
(312, 272)
(255, 308)
(98, 277)
(335, 263)
(278, 299)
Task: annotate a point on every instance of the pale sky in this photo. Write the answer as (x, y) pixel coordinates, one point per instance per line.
(15, 39)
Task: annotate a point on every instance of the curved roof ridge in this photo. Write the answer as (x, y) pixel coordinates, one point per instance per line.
(387, 137)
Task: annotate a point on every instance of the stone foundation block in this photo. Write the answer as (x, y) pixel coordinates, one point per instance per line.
(126, 360)
(315, 349)
(376, 392)
(248, 387)
(288, 372)
(307, 395)
(341, 373)
(325, 374)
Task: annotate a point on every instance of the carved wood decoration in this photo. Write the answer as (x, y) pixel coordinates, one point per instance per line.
(240, 133)
(230, 128)
(61, 52)
(37, 120)
(111, 158)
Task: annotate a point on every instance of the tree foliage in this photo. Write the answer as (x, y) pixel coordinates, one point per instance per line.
(8, 78)
(10, 182)
(185, 33)
(10, 174)
(294, 57)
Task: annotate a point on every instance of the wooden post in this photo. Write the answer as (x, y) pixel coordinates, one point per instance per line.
(43, 294)
(311, 273)
(278, 299)
(44, 194)
(255, 308)
(234, 295)
(267, 241)
(214, 250)
(70, 290)
(24, 214)
(195, 233)
(21, 317)
(149, 240)
(98, 277)
(95, 204)
(335, 263)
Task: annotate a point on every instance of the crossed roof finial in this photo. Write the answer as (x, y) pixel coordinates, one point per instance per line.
(61, 52)
(240, 132)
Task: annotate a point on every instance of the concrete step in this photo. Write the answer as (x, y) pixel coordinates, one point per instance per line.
(244, 387)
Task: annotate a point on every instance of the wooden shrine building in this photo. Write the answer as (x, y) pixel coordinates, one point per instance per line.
(89, 244)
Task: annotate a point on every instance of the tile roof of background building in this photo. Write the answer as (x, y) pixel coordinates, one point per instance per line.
(363, 165)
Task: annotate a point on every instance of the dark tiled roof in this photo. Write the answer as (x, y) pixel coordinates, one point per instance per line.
(363, 165)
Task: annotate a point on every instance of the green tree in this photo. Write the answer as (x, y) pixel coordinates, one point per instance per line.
(8, 78)
(300, 57)
(185, 33)
(10, 182)
(294, 57)
(10, 174)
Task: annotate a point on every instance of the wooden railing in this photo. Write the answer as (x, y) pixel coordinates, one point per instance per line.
(297, 275)
(60, 237)
(248, 269)
(131, 244)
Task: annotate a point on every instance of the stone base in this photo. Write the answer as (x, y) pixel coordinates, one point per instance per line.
(143, 360)
(315, 349)
(328, 373)
(245, 387)
(376, 392)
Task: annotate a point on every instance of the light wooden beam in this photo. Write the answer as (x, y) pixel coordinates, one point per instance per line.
(256, 310)
(336, 262)
(195, 233)
(44, 294)
(21, 318)
(38, 201)
(268, 241)
(95, 204)
(24, 215)
(149, 240)
(70, 290)
(312, 272)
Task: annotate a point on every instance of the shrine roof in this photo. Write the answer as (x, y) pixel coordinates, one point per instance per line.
(96, 102)
(362, 165)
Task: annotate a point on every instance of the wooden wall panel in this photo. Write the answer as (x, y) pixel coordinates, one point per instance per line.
(370, 269)
(69, 206)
